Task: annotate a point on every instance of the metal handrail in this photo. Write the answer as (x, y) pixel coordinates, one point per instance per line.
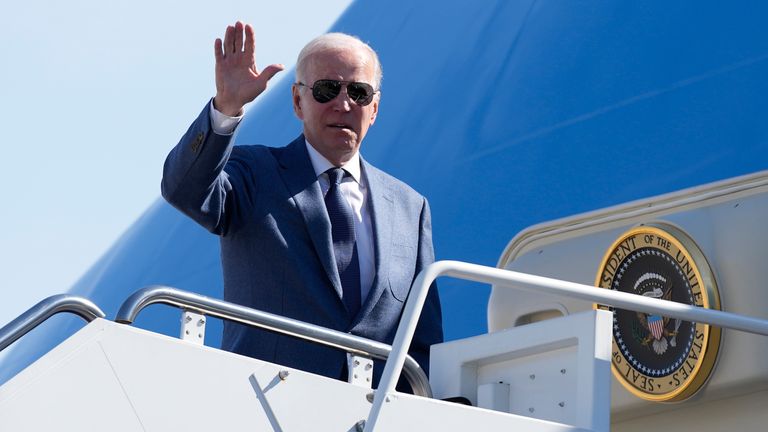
(511, 279)
(233, 312)
(43, 310)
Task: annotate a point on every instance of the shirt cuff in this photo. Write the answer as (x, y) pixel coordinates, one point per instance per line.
(223, 124)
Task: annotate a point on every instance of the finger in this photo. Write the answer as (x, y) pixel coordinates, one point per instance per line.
(229, 40)
(250, 40)
(238, 37)
(217, 53)
(270, 71)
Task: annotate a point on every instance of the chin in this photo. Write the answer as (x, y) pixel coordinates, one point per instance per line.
(346, 145)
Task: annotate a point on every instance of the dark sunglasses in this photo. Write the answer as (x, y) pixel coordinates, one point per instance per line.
(325, 90)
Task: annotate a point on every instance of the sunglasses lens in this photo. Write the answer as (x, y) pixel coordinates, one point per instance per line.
(360, 93)
(325, 90)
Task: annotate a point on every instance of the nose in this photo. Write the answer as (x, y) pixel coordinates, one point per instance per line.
(342, 102)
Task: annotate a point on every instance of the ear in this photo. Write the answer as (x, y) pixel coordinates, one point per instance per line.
(375, 106)
(296, 96)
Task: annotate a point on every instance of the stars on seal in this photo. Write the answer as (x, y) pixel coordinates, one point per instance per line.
(654, 284)
(654, 262)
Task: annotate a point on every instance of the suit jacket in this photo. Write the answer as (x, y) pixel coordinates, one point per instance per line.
(277, 254)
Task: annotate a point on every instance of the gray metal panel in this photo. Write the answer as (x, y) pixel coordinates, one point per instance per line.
(72, 388)
(558, 370)
(111, 376)
(408, 413)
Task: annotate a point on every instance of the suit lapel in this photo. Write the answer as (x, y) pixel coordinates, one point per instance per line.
(382, 220)
(301, 180)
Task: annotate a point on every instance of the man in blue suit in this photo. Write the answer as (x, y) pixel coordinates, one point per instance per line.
(299, 236)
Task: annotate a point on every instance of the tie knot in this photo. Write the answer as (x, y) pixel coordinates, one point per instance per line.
(335, 175)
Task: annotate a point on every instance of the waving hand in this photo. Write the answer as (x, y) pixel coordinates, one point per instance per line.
(238, 80)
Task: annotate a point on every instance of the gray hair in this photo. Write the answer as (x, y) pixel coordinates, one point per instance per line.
(331, 41)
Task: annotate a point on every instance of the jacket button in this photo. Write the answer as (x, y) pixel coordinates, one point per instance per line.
(198, 142)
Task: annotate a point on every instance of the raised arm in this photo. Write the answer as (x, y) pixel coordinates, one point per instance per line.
(194, 180)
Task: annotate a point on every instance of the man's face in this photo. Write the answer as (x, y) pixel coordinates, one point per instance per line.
(336, 128)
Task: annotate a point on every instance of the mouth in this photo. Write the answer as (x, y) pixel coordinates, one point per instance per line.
(341, 126)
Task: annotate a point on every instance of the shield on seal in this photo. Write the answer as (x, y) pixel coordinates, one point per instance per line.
(656, 326)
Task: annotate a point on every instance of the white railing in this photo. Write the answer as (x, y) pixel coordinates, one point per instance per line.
(517, 280)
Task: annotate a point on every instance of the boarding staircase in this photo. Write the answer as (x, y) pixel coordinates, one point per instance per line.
(111, 375)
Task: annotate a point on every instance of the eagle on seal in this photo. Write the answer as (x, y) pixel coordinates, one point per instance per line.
(655, 286)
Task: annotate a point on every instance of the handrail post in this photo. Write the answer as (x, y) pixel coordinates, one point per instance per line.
(403, 338)
(233, 312)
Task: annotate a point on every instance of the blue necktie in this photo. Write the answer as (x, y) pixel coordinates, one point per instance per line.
(344, 241)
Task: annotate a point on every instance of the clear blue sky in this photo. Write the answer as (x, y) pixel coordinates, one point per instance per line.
(94, 95)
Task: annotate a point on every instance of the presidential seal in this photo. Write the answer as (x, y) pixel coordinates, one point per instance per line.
(655, 357)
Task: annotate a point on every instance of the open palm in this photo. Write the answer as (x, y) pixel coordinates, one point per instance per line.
(238, 80)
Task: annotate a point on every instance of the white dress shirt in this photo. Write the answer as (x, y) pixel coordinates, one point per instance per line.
(353, 188)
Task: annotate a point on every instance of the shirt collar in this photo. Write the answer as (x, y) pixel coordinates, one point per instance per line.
(321, 164)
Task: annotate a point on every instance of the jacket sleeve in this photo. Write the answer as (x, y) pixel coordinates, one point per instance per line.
(429, 330)
(194, 180)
